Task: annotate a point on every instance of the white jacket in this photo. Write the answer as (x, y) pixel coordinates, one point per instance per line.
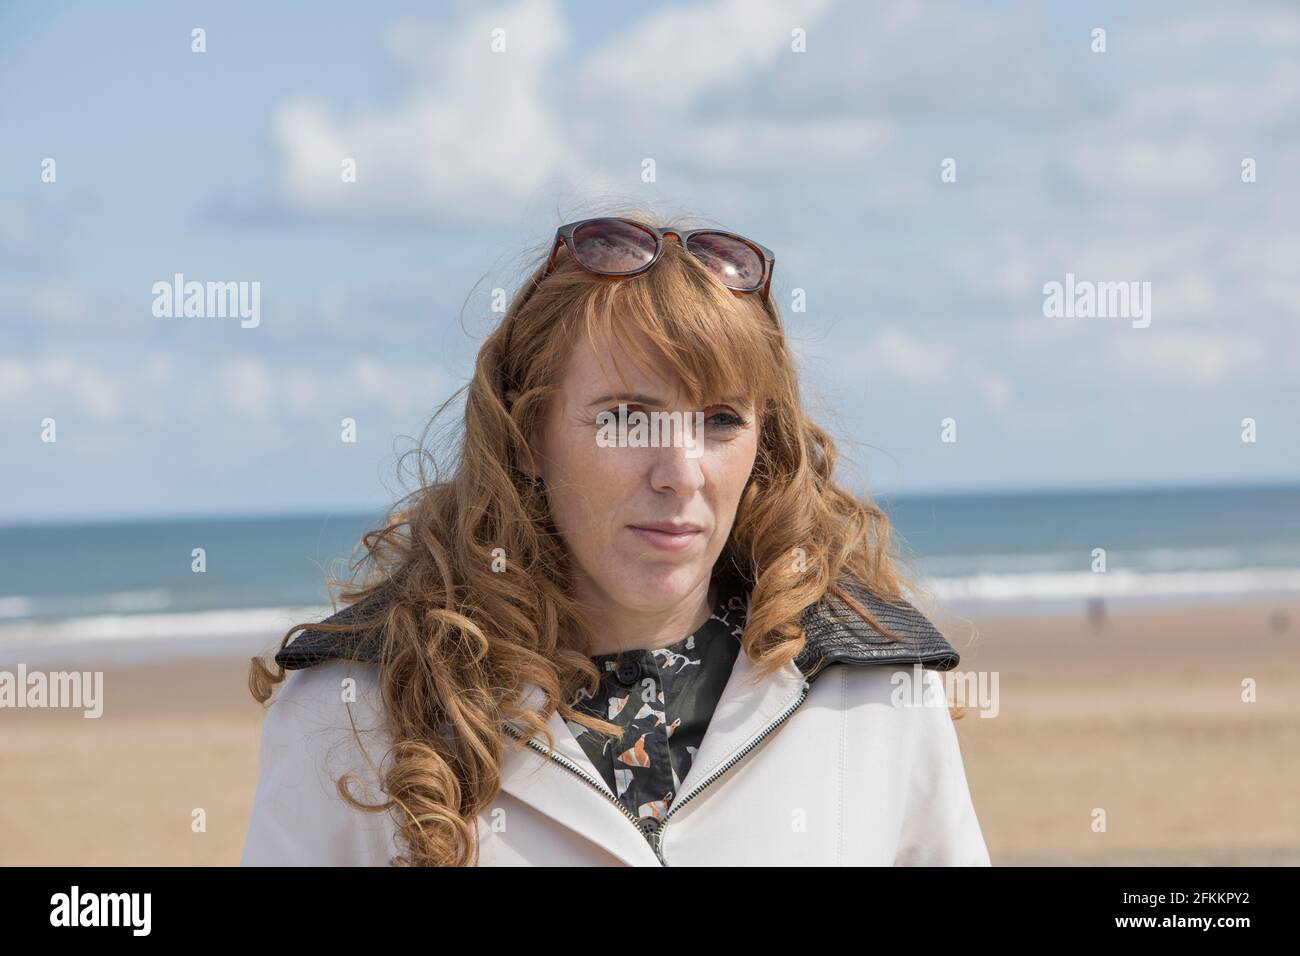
(836, 771)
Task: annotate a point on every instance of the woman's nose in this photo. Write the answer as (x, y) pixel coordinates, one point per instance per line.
(677, 463)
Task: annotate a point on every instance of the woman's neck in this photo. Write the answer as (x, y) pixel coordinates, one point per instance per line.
(616, 628)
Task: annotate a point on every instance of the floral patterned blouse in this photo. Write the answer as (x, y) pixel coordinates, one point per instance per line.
(664, 699)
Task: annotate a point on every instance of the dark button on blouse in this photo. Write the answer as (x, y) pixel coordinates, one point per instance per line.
(629, 672)
(664, 699)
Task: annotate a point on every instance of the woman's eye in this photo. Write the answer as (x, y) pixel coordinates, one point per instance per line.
(611, 414)
(728, 421)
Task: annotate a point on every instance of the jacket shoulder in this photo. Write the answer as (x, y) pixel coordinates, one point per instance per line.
(836, 634)
(361, 642)
(324, 722)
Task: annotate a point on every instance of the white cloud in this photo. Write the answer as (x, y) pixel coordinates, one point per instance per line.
(1191, 33)
(703, 52)
(774, 146)
(150, 387)
(1165, 356)
(1186, 359)
(301, 392)
(1188, 135)
(51, 386)
(44, 302)
(917, 60)
(258, 388)
(1108, 161)
(57, 303)
(475, 137)
(1240, 101)
(247, 386)
(483, 133)
(926, 365)
(17, 226)
(401, 389)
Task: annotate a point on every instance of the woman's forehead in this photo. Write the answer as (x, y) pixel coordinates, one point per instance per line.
(645, 378)
(663, 398)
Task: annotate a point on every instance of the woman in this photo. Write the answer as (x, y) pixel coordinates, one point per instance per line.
(638, 624)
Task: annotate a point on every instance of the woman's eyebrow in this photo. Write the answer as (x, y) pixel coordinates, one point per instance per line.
(651, 400)
(630, 399)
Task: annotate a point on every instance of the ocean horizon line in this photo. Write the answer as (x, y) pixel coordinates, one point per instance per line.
(100, 519)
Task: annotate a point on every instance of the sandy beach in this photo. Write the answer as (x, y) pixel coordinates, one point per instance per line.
(1142, 718)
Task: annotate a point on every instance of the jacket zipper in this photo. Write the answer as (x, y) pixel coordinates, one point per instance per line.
(650, 828)
(568, 764)
(735, 759)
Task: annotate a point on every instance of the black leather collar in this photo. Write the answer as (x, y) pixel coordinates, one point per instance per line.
(835, 635)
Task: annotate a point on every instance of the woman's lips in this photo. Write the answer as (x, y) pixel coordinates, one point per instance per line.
(665, 540)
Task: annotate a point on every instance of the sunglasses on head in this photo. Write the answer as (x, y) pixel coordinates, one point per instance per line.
(618, 248)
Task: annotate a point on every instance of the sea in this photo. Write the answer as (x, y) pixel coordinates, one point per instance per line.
(133, 590)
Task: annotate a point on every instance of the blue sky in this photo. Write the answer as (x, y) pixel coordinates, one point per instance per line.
(924, 298)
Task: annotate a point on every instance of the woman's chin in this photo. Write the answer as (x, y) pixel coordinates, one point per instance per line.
(653, 585)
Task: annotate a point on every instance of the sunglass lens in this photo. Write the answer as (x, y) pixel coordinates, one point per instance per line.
(613, 246)
(737, 264)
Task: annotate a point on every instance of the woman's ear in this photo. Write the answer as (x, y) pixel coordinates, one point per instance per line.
(512, 396)
(526, 456)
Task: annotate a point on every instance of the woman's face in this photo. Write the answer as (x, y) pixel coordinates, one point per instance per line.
(601, 496)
